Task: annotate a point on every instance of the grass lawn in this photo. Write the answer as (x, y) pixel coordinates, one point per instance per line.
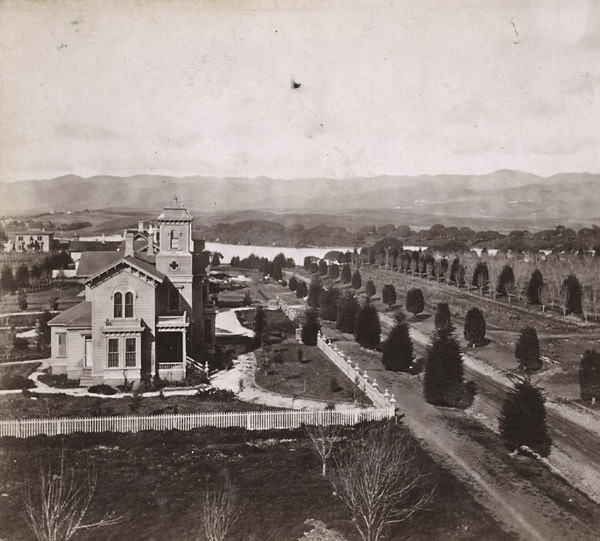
(19, 406)
(154, 479)
(314, 377)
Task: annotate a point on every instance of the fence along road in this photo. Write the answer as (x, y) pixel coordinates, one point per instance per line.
(252, 420)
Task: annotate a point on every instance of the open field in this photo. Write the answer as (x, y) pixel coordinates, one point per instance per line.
(38, 301)
(155, 480)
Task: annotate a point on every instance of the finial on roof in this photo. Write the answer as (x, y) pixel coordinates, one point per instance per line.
(175, 199)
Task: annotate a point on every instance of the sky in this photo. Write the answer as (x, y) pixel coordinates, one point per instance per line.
(386, 88)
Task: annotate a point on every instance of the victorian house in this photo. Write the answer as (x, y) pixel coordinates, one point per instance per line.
(145, 310)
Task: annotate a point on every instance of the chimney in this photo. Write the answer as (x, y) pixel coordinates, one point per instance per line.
(128, 246)
(140, 227)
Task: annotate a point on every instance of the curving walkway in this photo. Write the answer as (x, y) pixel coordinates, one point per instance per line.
(242, 375)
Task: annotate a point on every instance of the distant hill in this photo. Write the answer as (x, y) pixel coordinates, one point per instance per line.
(502, 195)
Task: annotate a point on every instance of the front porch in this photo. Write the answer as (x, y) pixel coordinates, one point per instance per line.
(171, 347)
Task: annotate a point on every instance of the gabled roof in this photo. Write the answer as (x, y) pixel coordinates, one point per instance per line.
(93, 262)
(33, 232)
(176, 214)
(78, 316)
(93, 245)
(137, 263)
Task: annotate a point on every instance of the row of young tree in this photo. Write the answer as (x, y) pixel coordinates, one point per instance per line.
(273, 268)
(563, 281)
(25, 276)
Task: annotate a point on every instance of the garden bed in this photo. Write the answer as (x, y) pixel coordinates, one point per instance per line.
(312, 375)
(15, 376)
(154, 478)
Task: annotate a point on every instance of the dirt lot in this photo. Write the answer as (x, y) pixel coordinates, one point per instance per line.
(154, 479)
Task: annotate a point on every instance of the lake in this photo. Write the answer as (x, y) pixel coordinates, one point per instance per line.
(243, 250)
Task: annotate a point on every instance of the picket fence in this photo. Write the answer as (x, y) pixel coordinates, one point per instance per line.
(252, 420)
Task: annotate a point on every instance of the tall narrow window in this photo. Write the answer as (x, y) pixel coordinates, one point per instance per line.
(174, 240)
(129, 304)
(130, 352)
(62, 344)
(118, 311)
(113, 352)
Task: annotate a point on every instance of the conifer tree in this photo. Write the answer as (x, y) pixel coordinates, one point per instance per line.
(301, 289)
(415, 303)
(474, 330)
(260, 326)
(388, 295)
(367, 329)
(293, 283)
(276, 272)
(442, 317)
(534, 287)
(7, 280)
(347, 310)
(522, 420)
(398, 348)
(481, 276)
(370, 288)
(589, 375)
(356, 280)
(443, 379)
(329, 303)
(310, 327)
(22, 276)
(323, 267)
(506, 280)
(334, 271)
(346, 275)
(574, 291)
(527, 350)
(314, 292)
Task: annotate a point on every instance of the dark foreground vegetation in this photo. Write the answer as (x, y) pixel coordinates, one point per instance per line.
(153, 481)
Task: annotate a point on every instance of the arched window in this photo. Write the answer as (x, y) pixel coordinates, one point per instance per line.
(118, 305)
(174, 240)
(129, 304)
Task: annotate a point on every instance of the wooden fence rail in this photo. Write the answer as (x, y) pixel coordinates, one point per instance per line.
(252, 420)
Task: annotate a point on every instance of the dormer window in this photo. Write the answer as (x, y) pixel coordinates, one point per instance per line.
(118, 305)
(129, 304)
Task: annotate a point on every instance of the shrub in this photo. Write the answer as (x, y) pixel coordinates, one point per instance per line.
(293, 283)
(442, 317)
(102, 389)
(215, 395)
(334, 385)
(60, 381)
(573, 293)
(346, 274)
(388, 295)
(522, 419)
(136, 403)
(20, 344)
(398, 348)
(356, 280)
(13, 382)
(534, 287)
(301, 289)
(310, 328)
(329, 303)
(367, 329)
(22, 300)
(589, 375)
(370, 288)
(415, 303)
(314, 292)
(347, 311)
(474, 330)
(443, 380)
(527, 350)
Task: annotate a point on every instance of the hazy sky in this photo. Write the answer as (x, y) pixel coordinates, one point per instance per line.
(204, 87)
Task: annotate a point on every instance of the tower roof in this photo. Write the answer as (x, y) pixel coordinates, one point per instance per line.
(175, 212)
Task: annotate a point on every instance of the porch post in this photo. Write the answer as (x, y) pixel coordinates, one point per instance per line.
(183, 351)
(153, 358)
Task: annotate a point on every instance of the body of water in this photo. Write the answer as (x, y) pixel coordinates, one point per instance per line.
(243, 250)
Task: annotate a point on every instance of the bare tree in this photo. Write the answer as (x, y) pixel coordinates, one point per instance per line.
(56, 503)
(377, 477)
(220, 508)
(323, 439)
